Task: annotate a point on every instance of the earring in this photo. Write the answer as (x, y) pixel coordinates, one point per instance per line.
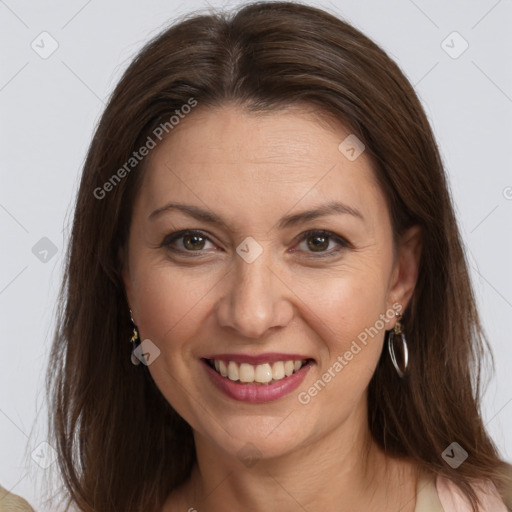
(133, 341)
(398, 332)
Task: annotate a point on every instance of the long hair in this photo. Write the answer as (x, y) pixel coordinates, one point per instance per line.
(121, 446)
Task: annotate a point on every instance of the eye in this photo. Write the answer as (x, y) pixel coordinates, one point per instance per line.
(191, 241)
(318, 241)
(315, 242)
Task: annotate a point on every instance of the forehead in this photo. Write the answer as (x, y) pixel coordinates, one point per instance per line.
(235, 160)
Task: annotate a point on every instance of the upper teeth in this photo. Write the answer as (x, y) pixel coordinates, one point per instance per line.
(262, 373)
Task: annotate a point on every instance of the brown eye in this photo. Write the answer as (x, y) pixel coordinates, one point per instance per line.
(318, 242)
(193, 242)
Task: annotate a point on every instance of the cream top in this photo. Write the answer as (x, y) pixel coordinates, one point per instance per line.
(441, 495)
(427, 499)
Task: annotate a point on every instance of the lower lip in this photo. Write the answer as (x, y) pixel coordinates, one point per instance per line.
(257, 393)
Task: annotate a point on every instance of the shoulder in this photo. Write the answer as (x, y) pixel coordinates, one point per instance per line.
(12, 503)
(453, 499)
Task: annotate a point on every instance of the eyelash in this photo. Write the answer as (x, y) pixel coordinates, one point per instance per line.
(344, 244)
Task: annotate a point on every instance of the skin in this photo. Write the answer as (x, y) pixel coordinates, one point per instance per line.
(252, 170)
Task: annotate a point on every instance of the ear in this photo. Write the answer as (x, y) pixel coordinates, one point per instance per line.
(406, 267)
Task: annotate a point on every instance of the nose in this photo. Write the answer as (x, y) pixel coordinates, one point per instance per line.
(256, 301)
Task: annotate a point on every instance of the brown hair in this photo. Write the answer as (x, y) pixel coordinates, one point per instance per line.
(264, 57)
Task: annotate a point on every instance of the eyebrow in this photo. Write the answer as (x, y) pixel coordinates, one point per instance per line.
(333, 207)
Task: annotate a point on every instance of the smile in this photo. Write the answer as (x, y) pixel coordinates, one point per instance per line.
(266, 373)
(256, 383)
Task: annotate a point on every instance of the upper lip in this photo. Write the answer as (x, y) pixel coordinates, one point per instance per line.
(259, 358)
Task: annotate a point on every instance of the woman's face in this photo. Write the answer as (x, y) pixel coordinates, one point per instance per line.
(257, 284)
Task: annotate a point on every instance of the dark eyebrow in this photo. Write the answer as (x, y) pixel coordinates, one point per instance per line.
(285, 222)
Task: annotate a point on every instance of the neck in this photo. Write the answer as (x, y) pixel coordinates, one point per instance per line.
(344, 471)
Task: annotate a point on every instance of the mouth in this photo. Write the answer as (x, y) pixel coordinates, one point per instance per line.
(266, 373)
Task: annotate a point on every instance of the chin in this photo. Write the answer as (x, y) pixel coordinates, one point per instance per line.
(256, 437)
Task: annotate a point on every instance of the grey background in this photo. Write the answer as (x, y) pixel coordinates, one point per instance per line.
(49, 108)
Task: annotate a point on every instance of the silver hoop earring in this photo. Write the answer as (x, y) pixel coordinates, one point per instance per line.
(135, 337)
(397, 332)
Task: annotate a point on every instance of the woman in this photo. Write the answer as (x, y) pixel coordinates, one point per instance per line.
(264, 215)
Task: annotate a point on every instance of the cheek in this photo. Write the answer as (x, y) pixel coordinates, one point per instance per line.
(350, 321)
(341, 306)
(348, 317)
(169, 300)
(171, 308)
